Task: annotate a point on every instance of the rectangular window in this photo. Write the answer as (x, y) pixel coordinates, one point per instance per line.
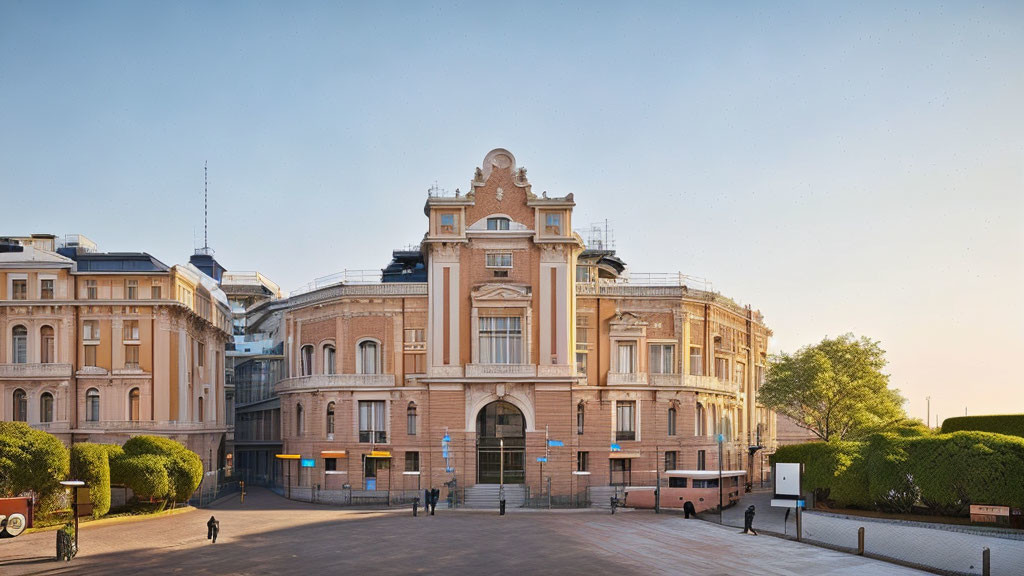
(201, 356)
(583, 274)
(497, 223)
(499, 259)
(696, 362)
(701, 460)
(131, 330)
(448, 223)
(155, 292)
(712, 483)
(46, 289)
(627, 358)
(330, 464)
(625, 423)
(19, 289)
(372, 424)
(131, 289)
(48, 348)
(501, 340)
(581, 363)
(671, 421)
(675, 482)
(553, 224)
(741, 373)
(90, 290)
(410, 421)
(582, 343)
(91, 330)
(412, 461)
(581, 461)
(670, 460)
(722, 368)
(663, 359)
(131, 357)
(620, 471)
(415, 363)
(90, 355)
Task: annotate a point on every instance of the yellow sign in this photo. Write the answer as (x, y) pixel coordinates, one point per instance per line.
(380, 454)
(333, 454)
(288, 456)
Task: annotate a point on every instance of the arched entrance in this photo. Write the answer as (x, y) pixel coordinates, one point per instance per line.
(500, 436)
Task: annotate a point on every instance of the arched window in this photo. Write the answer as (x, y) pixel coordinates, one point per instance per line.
(701, 426)
(410, 418)
(579, 419)
(46, 348)
(672, 421)
(46, 407)
(133, 404)
(19, 345)
(92, 405)
(307, 360)
(330, 418)
(368, 357)
(20, 406)
(300, 420)
(200, 415)
(329, 359)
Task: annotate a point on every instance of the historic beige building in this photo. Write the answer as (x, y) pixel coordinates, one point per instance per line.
(506, 341)
(100, 346)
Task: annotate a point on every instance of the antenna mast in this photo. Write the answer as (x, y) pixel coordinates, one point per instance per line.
(206, 239)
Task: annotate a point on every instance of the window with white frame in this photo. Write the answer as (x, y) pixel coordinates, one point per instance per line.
(91, 290)
(131, 289)
(131, 356)
(553, 223)
(19, 345)
(46, 288)
(627, 358)
(663, 359)
(92, 405)
(134, 404)
(625, 420)
(91, 330)
(19, 289)
(499, 259)
(46, 407)
(497, 223)
(372, 421)
(368, 358)
(47, 348)
(410, 419)
(696, 361)
(448, 223)
(329, 359)
(672, 421)
(20, 406)
(583, 337)
(501, 340)
(722, 369)
(306, 357)
(130, 330)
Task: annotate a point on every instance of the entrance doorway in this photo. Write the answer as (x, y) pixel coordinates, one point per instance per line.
(500, 435)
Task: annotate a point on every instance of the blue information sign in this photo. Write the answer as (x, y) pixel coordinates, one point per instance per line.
(555, 443)
(542, 459)
(308, 463)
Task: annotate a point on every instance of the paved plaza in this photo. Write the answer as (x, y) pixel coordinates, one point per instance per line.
(271, 535)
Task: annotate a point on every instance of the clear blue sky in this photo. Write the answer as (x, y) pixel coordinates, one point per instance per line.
(842, 168)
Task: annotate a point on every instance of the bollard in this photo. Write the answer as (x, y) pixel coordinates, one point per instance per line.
(860, 541)
(415, 506)
(501, 505)
(986, 562)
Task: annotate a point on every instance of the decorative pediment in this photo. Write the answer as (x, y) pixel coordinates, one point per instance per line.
(503, 294)
(627, 324)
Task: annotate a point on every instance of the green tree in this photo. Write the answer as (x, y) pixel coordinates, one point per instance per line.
(184, 467)
(30, 459)
(835, 389)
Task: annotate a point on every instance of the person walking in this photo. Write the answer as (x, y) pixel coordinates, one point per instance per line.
(212, 529)
(435, 494)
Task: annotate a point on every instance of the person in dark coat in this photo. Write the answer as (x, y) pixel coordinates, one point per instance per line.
(688, 509)
(748, 521)
(212, 529)
(435, 494)
(426, 500)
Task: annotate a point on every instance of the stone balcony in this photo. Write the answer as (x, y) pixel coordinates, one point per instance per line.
(35, 371)
(627, 379)
(501, 370)
(328, 381)
(150, 426)
(710, 384)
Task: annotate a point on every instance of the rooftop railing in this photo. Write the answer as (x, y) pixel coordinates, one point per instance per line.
(343, 277)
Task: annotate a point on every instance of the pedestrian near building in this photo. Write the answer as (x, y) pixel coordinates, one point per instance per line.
(748, 521)
(435, 494)
(212, 529)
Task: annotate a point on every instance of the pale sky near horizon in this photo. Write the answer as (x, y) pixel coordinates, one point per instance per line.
(842, 168)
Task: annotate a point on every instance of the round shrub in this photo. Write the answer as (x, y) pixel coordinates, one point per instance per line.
(145, 474)
(30, 459)
(184, 467)
(91, 464)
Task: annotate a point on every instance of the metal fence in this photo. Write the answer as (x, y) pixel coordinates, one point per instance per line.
(945, 548)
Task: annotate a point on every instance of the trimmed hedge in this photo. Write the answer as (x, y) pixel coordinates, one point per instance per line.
(184, 467)
(91, 464)
(31, 459)
(943, 472)
(145, 474)
(1010, 424)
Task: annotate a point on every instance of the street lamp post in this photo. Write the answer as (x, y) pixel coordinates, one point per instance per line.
(721, 438)
(74, 485)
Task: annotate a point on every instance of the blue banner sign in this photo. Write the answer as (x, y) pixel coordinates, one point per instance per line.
(555, 443)
(616, 448)
(542, 459)
(308, 463)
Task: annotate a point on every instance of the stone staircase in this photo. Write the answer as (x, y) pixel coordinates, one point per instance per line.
(485, 496)
(600, 496)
